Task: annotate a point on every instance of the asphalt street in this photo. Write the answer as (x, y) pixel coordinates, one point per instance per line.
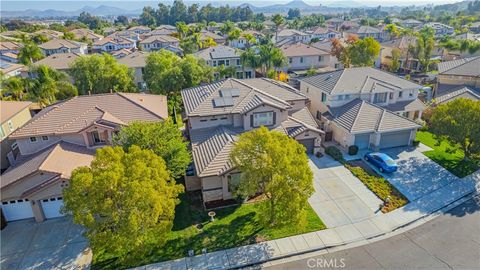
(450, 241)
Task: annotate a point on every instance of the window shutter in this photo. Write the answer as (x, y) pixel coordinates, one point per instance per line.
(274, 118)
(251, 120)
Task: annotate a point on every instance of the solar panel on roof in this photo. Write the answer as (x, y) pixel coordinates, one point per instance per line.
(230, 92)
(223, 102)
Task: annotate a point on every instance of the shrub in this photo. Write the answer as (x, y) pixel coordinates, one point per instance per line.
(415, 143)
(352, 150)
(335, 153)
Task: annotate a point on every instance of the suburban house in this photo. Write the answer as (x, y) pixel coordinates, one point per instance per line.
(61, 138)
(14, 114)
(9, 51)
(465, 71)
(364, 106)
(289, 36)
(324, 33)
(334, 23)
(474, 27)
(411, 23)
(140, 29)
(347, 25)
(204, 35)
(166, 42)
(110, 44)
(302, 57)
(242, 43)
(50, 34)
(228, 57)
(441, 29)
(217, 113)
(62, 46)
(125, 34)
(456, 92)
(137, 62)
(120, 53)
(369, 31)
(59, 61)
(86, 34)
(11, 69)
(402, 44)
(163, 30)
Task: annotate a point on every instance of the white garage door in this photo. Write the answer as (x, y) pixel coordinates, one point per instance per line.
(395, 139)
(17, 209)
(51, 207)
(362, 140)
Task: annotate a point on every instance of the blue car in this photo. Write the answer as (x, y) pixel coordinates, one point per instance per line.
(382, 161)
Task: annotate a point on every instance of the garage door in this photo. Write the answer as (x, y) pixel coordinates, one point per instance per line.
(395, 139)
(362, 140)
(51, 207)
(17, 209)
(309, 145)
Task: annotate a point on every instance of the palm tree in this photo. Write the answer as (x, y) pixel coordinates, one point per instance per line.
(278, 20)
(250, 58)
(29, 53)
(250, 40)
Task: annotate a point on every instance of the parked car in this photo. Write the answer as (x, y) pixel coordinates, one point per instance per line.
(382, 161)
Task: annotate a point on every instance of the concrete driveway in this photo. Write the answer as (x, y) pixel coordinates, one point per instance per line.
(53, 244)
(417, 175)
(340, 198)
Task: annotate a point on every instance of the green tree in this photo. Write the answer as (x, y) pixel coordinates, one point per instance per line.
(69, 35)
(48, 85)
(278, 20)
(29, 53)
(234, 34)
(424, 47)
(458, 121)
(293, 13)
(97, 74)
(392, 29)
(163, 138)
(364, 52)
(13, 89)
(277, 166)
(125, 201)
(311, 71)
(395, 65)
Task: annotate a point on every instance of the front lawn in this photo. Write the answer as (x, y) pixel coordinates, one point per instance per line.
(233, 226)
(451, 158)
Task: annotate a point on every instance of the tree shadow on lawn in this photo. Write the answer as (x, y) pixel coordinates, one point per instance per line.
(459, 167)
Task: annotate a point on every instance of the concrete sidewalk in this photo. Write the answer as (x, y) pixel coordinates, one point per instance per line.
(409, 216)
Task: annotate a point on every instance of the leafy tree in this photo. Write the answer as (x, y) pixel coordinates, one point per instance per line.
(364, 52)
(234, 34)
(395, 66)
(458, 121)
(29, 53)
(93, 22)
(393, 30)
(278, 20)
(251, 40)
(311, 71)
(48, 86)
(122, 20)
(69, 35)
(225, 72)
(57, 27)
(147, 17)
(277, 166)
(293, 13)
(125, 200)
(424, 47)
(13, 88)
(101, 74)
(341, 50)
(163, 138)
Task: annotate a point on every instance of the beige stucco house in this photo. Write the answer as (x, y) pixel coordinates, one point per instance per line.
(59, 139)
(14, 114)
(465, 71)
(364, 106)
(136, 61)
(301, 56)
(217, 113)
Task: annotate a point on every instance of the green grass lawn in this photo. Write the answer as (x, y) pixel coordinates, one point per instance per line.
(234, 226)
(451, 158)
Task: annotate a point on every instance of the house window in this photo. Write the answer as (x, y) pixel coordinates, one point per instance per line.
(10, 125)
(290, 60)
(203, 120)
(391, 96)
(221, 62)
(238, 62)
(263, 119)
(319, 115)
(227, 63)
(400, 94)
(33, 139)
(214, 63)
(301, 59)
(337, 65)
(320, 58)
(340, 97)
(380, 98)
(45, 138)
(98, 138)
(324, 97)
(347, 97)
(239, 75)
(411, 93)
(248, 74)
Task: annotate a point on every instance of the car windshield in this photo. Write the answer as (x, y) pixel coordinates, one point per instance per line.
(390, 162)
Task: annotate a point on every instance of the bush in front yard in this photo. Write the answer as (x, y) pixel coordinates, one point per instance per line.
(416, 143)
(335, 153)
(352, 150)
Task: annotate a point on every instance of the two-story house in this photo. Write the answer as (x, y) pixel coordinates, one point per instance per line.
(110, 44)
(59, 139)
(290, 36)
(140, 29)
(322, 33)
(14, 114)
(242, 42)
(364, 106)
(302, 57)
(136, 61)
(228, 57)
(48, 33)
(86, 34)
(217, 113)
(158, 42)
(62, 46)
(453, 75)
(441, 29)
(411, 23)
(369, 31)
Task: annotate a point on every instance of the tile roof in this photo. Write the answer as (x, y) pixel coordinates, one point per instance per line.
(400, 43)
(407, 105)
(60, 61)
(134, 60)
(10, 45)
(358, 80)
(8, 109)
(207, 34)
(60, 158)
(217, 52)
(301, 49)
(159, 38)
(60, 43)
(75, 114)
(85, 33)
(199, 100)
(365, 29)
(360, 116)
(463, 92)
(462, 67)
(6, 67)
(113, 40)
(291, 32)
